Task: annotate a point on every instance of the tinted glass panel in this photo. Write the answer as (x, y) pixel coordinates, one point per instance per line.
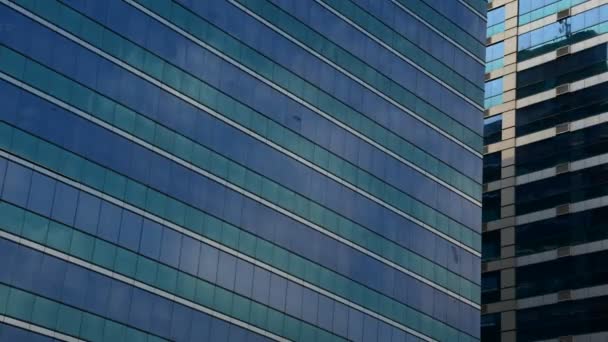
(562, 148)
(491, 167)
(490, 327)
(562, 319)
(492, 129)
(573, 29)
(564, 230)
(490, 249)
(547, 277)
(531, 10)
(564, 108)
(563, 70)
(490, 287)
(494, 56)
(569, 187)
(496, 21)
(491, 206)
(493, 93)
(212, 161)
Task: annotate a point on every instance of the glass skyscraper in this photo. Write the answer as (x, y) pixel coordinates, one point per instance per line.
(545, 240)
(241, 170)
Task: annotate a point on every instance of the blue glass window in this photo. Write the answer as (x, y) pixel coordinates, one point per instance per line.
(492, 129)
(568, 31)
(531, 10)
(494, 56)
(109, 222)
(41, 194)
(3, 165)
(130, 230)
(150, 239)
(17, 184)
(493, 93)
(64, 204)
(170, 246)
(496, 21)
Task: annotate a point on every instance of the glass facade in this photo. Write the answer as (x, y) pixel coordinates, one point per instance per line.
(495, 56)
(568, 69)
(545, 172)
(570, 30)
(532, 10)
(496, 21)
(493, 93)
(235, 170)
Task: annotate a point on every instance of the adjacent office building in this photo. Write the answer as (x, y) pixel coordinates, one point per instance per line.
(241, 170)
(545, 240)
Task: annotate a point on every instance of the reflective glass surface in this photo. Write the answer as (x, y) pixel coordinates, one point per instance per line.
(563, 230)
(491, 206)
(490, 327)
(568, 31)
(566, 318)
(493, 93)
(585, 270)
(490, 287)
(491, 245)
(496, 21)
(492, 129)
(492, 164)
(571, 187)
(531, 10)
(234, 170)
(494, 56)
(567, 147)
(564, 108)
(567, 69)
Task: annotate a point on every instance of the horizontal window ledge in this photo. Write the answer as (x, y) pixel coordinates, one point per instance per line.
(593, 203)
(582, 249)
